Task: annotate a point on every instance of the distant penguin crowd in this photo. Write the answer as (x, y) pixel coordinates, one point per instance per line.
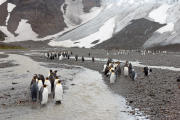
(66, 55)
(41, 88)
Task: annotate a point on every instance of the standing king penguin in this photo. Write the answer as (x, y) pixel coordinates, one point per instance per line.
(58, 93)
(44, 95)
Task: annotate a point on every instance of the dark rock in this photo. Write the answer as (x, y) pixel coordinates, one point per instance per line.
(178, 79)
(12, 88)
(73, 84)
(131, 102)
(95, 42)
(88, 4)
(14, 83)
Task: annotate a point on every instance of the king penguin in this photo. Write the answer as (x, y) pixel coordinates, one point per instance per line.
(48, 84)
(126, 71)
(40, 84)
(105, 65)
(61, 57)
(34, 90)
(58, 93)
(56, 81)
(112, 77)
(133, 74)
(44, 95)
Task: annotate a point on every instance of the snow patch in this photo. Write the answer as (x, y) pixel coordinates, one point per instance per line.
(168, 28)
(9, 9)
(92, 14)
(109, 6)
(104, 33)
(160, 14)
(2, 1)
(24, 32)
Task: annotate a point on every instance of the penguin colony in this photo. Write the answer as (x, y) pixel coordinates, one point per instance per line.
(111, 69)
(41, 88)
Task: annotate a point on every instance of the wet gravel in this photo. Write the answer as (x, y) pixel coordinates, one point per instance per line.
(157, 95)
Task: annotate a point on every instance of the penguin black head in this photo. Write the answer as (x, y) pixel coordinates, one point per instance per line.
(57, 77)
(47, 78)
(59, 81)
(55, 71)
(45, 85)
(50, 71)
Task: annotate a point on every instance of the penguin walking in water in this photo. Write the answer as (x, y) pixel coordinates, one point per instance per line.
(133, 74)
(48, 85)
(112, 77)
(58, 93)
(126, 71)
(43, 95)
(34, 90)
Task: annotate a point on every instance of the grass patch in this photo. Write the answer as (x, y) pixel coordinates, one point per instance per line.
(5, 47)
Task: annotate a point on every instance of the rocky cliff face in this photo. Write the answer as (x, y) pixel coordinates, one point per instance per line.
(2, 36)
(88, 4)
(44, 16)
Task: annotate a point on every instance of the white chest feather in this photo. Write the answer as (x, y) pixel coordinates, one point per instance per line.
(58, 92)
(126, 71)
(40, 84)
(112, 77)
(47, 82)
(44, 96)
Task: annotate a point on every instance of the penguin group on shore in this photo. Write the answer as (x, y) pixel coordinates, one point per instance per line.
(41, 88)
(113, 70)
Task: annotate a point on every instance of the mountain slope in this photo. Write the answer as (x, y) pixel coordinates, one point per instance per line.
(133, 36)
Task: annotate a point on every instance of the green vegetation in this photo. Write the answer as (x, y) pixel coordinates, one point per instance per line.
(5, 47)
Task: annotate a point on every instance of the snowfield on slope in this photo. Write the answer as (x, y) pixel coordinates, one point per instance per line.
(24, 32)
(170, 33)
(2, 1)
(10, 9)
(104, 33)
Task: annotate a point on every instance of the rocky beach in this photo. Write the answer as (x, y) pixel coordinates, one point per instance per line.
(157, 96)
